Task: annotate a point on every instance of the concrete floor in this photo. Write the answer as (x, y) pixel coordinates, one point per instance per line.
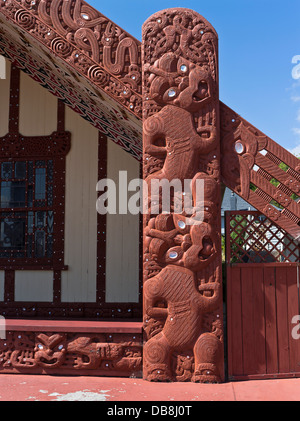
(55, 388)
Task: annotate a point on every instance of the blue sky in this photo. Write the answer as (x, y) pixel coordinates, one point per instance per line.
(257, 42)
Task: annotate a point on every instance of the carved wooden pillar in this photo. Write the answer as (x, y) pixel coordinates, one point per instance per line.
(183, 316)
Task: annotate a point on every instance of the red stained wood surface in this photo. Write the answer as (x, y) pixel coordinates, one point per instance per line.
(262, 299)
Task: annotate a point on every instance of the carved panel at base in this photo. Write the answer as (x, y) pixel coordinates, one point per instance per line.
(70, 353)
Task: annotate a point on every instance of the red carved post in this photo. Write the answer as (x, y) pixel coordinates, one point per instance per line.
(183, 318)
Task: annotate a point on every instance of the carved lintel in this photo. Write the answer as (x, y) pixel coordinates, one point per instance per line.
(70, 353)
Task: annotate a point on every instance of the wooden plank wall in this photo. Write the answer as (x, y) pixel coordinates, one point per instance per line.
(261, 302)
(79, 281)
(38, 109)
(4, 113)
(4, 101)
(38, 116)
(3, 68)
(123, 237)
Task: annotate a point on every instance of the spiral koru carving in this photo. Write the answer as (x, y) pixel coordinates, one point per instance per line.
(182, 259)
(92, 44)
(25, 19)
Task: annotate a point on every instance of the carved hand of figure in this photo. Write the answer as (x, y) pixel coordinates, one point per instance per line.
(152, 298)
(209, 303)
(154, 137)
(154, 150)
(209, 138)
(157, 312)
(210, 286)
(168, 237)
(198, 257)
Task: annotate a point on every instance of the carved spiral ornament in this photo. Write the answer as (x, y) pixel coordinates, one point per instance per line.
(72, 28)
(61, 47)
(97, 74)
(25, 19)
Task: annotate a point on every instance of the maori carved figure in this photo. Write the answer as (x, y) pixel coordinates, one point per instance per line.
(58, 352)
(182, 283)
(243, 156)
(184, 143)
(50, 351)
(91, 354)
(22, 356)
(27, 351)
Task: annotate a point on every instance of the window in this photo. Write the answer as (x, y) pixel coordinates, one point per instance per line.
(32, 191)
(27, 214)
(26, 202)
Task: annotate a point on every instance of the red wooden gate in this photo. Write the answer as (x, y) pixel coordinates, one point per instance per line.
(262, 298)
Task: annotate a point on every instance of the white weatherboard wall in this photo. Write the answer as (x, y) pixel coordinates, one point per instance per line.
(4, 116)
(79, 281)
(38, 116)
(34, 286)
(122, 240)
(2, 67)
(38, 109)
(4, 101)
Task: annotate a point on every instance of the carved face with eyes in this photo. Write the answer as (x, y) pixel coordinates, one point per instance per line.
(50, 351)
(176, 81)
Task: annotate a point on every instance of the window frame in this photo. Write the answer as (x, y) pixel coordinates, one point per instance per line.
(47, 261)
(16, 147)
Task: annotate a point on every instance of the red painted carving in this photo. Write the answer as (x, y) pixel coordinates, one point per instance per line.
(260, 171)
(181, 137)
(89, 42)
(49, 351)
(182, 277)
(92, 47)
(39, 352)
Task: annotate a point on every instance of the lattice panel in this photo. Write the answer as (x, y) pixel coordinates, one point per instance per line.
(252, 238)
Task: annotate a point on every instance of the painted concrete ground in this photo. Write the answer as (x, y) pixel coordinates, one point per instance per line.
(51, 388)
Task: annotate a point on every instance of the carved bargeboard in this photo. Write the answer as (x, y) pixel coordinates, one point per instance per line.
(85, 39)
(182, 261)
(261, 171)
